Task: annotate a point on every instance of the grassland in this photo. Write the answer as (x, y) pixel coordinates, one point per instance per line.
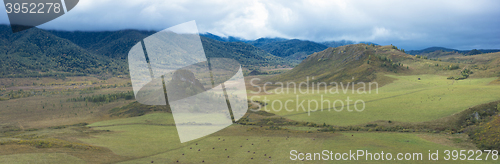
(405, 100)
(39, 125)
(153, 136)
(160, 144)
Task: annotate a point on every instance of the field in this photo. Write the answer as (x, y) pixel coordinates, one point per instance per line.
(147, 143)
(407, 99)
(47, 120)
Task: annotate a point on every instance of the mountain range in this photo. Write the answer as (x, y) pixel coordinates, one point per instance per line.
(438, 52)
(37, 52)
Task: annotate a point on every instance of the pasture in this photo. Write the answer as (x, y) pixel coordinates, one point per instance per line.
(144, 143)
(407, 99)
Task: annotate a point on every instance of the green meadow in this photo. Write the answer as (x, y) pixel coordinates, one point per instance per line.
(407, 99)
(160, 144)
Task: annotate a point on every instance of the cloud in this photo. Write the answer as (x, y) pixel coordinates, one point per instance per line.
(460, 24)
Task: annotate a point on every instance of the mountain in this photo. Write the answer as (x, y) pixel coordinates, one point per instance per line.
(440, 52)
(338, 43)
(36, 52)
(223, 39)
(114, 44)
(293, 49)
(246, 54)
(263, 41)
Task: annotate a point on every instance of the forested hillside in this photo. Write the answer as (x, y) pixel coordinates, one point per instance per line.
(293, 49)
(40, 53)
(37, 53)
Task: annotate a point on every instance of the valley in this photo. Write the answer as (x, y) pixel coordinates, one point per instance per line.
(60, 109)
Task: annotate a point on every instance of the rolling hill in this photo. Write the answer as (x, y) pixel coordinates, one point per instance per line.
(342, 64)
(361, 62)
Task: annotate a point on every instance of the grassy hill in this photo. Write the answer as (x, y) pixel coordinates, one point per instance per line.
(341, 64)
(363, 62)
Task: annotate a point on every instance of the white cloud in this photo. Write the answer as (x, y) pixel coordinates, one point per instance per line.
(412, 24)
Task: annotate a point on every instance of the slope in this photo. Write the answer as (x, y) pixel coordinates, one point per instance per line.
(36, 52)
(293, 49)
(114, 44)
(246, 54)
(359, 62)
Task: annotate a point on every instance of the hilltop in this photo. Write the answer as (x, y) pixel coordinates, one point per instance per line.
(365, 63)
(342, 64)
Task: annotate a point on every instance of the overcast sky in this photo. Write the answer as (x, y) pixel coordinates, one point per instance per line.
(410, 25)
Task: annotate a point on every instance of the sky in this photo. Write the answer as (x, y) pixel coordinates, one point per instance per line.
(458, 24)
